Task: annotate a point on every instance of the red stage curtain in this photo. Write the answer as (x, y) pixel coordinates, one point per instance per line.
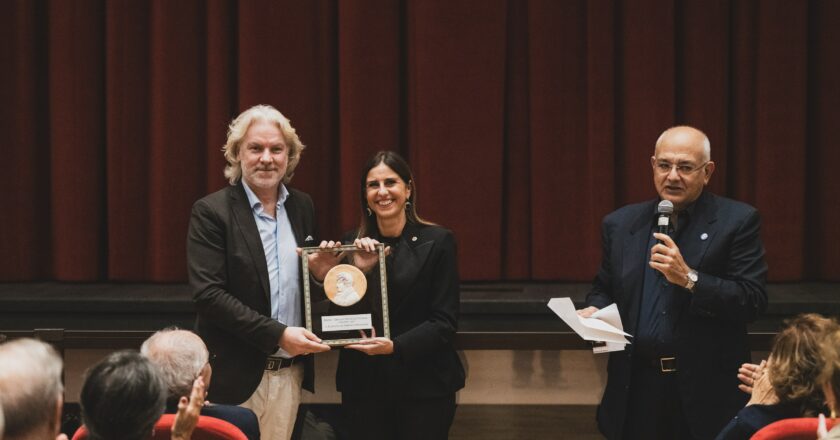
(525, 121)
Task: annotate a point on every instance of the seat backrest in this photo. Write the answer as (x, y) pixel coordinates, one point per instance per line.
(804, 428)
(208, 428)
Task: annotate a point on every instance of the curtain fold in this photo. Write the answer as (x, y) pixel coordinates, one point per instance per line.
(76, 112)
(525, 121)
(25, 231)
(128, 136)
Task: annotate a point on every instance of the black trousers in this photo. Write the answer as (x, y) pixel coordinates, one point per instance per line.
(654, 407)
(368, 418)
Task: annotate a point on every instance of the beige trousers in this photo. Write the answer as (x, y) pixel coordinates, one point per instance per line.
(275, 402)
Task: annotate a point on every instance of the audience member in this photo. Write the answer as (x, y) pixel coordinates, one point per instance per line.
(189, 410)
(181, 357)
(829, 380)
(31, 390)
(787, 387)
(124, 395)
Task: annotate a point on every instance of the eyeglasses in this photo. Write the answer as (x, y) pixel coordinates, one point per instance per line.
(683, 169)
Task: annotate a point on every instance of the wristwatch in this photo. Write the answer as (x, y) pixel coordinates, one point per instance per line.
(692, 278)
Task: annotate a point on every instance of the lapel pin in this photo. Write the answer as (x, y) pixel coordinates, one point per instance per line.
(308, 238)
(704, 236)
(414, 238)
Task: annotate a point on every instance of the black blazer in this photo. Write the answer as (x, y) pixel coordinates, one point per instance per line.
(229, 279)
(424, 300)
(722, 243)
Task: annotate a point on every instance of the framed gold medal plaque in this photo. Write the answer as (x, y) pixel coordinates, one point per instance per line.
(350, 305)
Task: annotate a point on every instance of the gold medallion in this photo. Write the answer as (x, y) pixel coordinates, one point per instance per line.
(345, 285)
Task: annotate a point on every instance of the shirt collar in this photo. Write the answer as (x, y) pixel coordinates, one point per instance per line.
(688, 210)
(686, 214)
(254, 201)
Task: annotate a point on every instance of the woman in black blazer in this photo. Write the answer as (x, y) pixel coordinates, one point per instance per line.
(403, 387)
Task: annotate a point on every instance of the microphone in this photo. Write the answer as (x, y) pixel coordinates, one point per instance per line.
(664, 210)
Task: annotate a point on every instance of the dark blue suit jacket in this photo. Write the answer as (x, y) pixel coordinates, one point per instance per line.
(752, 418)
(722, 243)
(242, 418)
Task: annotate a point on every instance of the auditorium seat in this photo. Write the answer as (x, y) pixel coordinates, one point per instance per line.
(791, 429)
(208, 428)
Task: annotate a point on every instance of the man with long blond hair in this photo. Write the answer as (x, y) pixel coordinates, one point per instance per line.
(245, 273)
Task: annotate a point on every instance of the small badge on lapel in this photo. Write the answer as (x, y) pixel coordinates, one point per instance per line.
(308, 238)
(704, 236)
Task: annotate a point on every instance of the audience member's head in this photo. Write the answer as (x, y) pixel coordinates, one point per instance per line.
(830, 375)
(2, 421)
(796, 361)
(122, 397)
(31, 389)
(181, 357)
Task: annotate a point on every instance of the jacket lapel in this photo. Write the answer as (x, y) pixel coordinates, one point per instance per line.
(244, 218)
(409, 258)
(293, 212)
(695, 240)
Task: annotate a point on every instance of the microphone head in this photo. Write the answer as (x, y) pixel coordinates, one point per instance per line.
(665, 207)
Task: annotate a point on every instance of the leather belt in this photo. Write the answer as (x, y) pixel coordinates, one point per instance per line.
(277, 363)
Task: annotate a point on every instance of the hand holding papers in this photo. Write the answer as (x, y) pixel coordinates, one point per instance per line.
(602, 326)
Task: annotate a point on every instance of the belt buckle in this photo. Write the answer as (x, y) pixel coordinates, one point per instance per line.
(668, 364)
(277, 364)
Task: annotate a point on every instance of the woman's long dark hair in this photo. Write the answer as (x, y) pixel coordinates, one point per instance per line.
(367, 222)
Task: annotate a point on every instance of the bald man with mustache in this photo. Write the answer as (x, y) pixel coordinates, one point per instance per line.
(686, 296)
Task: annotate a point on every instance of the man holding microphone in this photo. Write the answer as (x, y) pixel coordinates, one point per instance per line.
(686, 296)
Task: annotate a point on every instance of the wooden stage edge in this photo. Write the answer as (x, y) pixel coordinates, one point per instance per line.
(494, 316)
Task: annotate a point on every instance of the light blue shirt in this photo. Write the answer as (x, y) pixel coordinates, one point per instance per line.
(279, 244)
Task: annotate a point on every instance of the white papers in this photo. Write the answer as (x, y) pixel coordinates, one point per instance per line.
(603, 326)
(346, 322)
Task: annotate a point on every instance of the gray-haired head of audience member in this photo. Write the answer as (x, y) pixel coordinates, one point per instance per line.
(31, 390)
(122, 397)
(181, 357)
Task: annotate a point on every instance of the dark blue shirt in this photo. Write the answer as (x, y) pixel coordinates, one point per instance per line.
(661, 303)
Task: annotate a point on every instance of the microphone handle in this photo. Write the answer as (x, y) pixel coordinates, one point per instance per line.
(662, 225)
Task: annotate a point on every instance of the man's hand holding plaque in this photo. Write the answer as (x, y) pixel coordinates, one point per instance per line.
(321, 262)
